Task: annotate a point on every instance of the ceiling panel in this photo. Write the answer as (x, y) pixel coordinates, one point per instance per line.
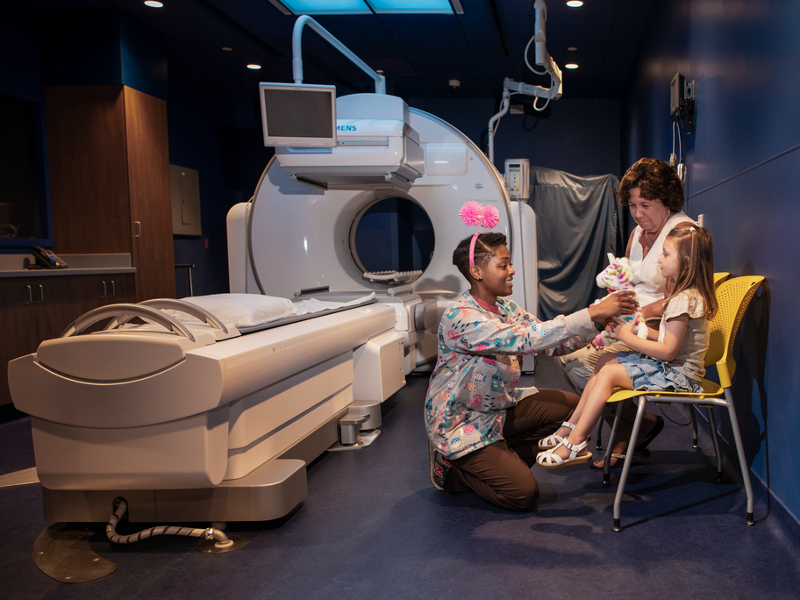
(420, 52)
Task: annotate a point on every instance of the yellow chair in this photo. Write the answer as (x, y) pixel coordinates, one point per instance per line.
(733, 295)
(718, 278)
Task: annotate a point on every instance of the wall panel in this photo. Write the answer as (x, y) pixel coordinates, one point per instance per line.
(742, 159)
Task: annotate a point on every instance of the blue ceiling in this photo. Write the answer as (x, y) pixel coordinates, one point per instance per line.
(418, 53)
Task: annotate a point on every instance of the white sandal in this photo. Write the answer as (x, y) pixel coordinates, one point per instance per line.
(551, 441)
(551, 460)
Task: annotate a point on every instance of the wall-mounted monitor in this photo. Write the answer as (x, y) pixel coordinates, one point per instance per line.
(298, 115)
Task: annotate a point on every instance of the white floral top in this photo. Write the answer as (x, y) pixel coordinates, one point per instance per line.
(647, 279)
(691, 356)
(478, 368)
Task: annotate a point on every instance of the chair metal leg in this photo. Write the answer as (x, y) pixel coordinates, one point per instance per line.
(600, 434)
(693, 417)
(626, 466)
(737, 438)
(612, 438)
(712, 422)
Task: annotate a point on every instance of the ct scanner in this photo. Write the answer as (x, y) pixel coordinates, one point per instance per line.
(299, 231)
(192, 416)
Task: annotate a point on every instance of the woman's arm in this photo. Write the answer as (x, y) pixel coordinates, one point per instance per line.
(666, 351)
(630, 245)
(472, 331)
(652, 311)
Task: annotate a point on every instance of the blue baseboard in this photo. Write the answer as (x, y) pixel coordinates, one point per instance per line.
(769, 511)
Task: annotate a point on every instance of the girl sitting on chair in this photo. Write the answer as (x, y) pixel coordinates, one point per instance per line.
(672, 360)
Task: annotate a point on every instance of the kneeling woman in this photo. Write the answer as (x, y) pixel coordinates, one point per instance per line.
(483, 430)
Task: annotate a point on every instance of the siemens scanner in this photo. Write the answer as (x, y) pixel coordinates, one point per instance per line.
(210, 409)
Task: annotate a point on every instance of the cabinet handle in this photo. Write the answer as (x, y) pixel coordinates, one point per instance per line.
(30, 295)
(113, 289)
(105, 294)
(138, 228)
(41, 294)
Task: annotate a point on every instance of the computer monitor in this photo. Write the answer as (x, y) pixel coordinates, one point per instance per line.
(298, 115)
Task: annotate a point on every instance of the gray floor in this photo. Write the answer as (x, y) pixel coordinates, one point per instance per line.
(373, 527)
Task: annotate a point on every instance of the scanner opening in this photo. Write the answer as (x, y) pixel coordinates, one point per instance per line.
(393, 234)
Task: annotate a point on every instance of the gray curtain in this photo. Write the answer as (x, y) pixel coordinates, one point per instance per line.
(578, 222)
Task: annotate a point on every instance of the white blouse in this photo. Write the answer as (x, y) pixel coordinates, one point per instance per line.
(647, 279)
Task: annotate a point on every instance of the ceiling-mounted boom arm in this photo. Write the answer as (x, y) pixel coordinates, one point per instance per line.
(543, 59)
(297, 52)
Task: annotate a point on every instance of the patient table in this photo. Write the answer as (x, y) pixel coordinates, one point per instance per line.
(193, 421)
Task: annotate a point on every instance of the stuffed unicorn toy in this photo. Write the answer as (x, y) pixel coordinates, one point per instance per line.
(617, 277)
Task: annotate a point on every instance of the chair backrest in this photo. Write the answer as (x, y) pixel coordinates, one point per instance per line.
(720, 277)
(733, 296)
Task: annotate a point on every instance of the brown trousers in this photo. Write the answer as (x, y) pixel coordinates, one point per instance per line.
(501, 472)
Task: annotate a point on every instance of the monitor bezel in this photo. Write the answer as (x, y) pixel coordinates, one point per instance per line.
(294, 141)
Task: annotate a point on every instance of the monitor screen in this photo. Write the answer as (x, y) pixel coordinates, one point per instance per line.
(298, 115)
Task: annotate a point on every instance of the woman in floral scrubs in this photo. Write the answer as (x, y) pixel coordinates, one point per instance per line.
(483, 430)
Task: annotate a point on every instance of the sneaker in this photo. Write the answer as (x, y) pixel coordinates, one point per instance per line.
(439, 466)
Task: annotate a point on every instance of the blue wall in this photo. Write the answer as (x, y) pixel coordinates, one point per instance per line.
(203, 135)
(581, 137)
(214, 136)
(19, 77)
(742, 162)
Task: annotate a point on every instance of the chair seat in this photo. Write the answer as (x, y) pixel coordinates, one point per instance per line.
(711, 389)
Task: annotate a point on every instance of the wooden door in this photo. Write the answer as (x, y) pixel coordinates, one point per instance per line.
(88, 169)
(17, 324)
(149, 195)
(121, 288)
(54, 308)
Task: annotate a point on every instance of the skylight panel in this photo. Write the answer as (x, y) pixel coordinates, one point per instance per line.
(412, 6)
(327, 7)
(362, 7)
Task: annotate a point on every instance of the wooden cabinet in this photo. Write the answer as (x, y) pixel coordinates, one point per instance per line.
(108, 156)
(33, 309)
(91, 291)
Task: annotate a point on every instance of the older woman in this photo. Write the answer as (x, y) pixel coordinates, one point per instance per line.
(654, 194)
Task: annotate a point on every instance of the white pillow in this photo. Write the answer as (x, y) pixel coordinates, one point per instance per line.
(239, 310)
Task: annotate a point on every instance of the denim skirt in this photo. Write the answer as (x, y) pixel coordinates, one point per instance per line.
(648, 373)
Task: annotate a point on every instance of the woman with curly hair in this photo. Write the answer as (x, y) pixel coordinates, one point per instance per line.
(654, 194)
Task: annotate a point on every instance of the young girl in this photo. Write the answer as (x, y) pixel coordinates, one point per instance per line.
(672, 361)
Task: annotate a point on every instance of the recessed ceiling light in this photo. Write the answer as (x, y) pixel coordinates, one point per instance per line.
(154, 4)
(254, 66)
(572, 48)
(226, 49)
(571, 66)
(574, 3)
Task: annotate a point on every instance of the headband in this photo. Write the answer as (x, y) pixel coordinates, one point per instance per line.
(475, 214)
(472, 249)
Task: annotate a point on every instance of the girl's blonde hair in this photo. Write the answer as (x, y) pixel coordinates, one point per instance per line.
(696, 258)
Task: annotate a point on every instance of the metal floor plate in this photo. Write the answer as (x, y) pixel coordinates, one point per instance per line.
(64, 554)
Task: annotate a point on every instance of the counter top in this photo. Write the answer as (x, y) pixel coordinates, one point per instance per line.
(14, 265)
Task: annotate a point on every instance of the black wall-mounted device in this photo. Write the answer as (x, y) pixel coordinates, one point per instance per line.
(681, 102)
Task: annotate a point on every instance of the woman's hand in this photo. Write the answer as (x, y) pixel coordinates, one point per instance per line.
(611, 306)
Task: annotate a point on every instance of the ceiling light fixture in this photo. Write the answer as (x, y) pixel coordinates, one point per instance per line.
(254, 66)
(571, 66)
(226, 49)
(154, 4)
(574, 3)
(572, 48)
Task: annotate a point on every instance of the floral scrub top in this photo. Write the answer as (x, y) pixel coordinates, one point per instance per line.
(478, 368)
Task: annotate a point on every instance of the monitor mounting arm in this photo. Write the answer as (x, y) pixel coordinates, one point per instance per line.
(543, 59)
